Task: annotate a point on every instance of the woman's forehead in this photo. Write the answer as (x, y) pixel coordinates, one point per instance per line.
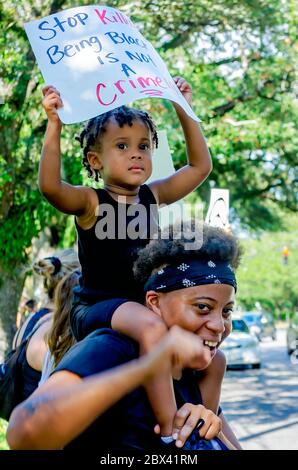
(220, 293)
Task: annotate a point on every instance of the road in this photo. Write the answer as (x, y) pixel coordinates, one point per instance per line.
(262, 405)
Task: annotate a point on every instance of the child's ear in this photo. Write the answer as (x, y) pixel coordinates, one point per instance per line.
(152, 301)
(94, 160)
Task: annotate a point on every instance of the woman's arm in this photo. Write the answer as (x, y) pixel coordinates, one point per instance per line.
(228, 433)
(65, 405)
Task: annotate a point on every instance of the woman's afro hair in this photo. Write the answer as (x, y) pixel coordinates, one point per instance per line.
(208, 243)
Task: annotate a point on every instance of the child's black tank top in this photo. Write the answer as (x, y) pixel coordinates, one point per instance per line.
(108, 250)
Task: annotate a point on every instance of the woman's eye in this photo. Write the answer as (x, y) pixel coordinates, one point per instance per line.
(122, 146)
(227, 312)
(203, 307)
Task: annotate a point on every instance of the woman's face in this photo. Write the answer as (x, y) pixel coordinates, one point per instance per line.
(204, 310)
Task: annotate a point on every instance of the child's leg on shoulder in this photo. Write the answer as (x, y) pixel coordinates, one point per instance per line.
(86, 318)
(144, 326)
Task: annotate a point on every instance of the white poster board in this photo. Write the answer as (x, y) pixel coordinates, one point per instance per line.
(98, 60)
(218, 212)
(162, 168)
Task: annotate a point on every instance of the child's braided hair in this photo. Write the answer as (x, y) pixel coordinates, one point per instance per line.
(123, 115)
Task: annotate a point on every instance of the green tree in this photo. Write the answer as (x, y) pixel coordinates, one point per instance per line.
(23, 212)
(264, 278)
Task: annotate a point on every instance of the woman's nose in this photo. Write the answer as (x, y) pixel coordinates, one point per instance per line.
(216, 323)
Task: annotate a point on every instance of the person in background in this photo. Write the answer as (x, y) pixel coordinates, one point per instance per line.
(28, 309)
(52, 269)
(59, 337)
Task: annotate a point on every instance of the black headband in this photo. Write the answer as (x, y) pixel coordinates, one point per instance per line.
(56, 263)
(191, 273)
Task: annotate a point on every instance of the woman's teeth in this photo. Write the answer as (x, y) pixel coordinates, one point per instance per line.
(210, 344)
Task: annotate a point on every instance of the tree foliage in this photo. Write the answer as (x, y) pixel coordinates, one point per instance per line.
(238, 57)
(263, 276)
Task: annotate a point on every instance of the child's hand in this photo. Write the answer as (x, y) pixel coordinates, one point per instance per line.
(184, 88)
(187, 419)
(51, 103)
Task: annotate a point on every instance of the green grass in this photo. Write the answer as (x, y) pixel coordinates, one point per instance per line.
(3, 443)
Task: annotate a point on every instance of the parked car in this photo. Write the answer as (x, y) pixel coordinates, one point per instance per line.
(241, 347)
(261, 324)
(292, 334)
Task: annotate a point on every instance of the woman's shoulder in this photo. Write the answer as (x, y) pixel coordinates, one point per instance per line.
(37, 346)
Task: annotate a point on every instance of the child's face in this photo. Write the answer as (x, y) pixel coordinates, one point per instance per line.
(204, 310)
(124, 155)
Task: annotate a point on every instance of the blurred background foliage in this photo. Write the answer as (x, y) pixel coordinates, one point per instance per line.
(265, 279)
(239, 57)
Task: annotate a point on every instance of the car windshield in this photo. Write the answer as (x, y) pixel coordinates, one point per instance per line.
(252, 317)
(240, 325)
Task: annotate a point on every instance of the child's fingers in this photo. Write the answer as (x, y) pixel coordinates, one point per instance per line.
(179, 81)
(157, 429)
(212, 425)
(45, 89)
(182, 84)
(48, 89)
(53, 101)
(214, 429)
(180, 418)
(195, 411)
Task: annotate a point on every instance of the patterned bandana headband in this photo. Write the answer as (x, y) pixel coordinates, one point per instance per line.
(191, 273)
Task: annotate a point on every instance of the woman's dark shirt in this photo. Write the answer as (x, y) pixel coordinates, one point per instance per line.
(30, 376)
(128, 424)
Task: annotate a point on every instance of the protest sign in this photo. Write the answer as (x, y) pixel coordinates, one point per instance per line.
(98, 60)
(163, 167)
(218, 212)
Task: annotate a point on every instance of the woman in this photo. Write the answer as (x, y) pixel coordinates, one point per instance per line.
(52, 269)
(192, 290)
(59, 337)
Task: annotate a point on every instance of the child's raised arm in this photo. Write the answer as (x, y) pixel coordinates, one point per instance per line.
(65, 197)
(188, 178)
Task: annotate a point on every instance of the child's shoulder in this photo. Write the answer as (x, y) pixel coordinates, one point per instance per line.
(150, 191)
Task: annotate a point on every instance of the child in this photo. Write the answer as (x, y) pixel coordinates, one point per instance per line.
(118, 147)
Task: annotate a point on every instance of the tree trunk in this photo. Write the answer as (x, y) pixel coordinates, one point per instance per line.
(11, 286)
